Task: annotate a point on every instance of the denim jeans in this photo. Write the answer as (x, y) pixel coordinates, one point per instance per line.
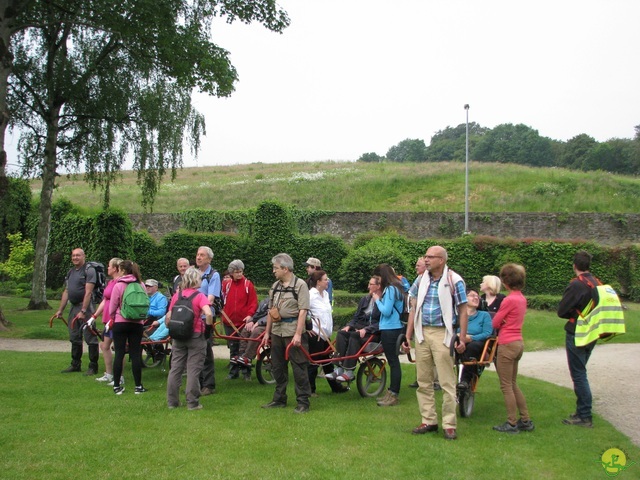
(577, 358)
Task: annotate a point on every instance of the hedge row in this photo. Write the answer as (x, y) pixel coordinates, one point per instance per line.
(274, 229)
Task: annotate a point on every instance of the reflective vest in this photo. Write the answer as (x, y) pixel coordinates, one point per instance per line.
(602, 320)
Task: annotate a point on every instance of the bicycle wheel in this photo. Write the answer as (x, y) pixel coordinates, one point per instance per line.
(372, 377)
(466, 400)
(263, 368)
(152, 357)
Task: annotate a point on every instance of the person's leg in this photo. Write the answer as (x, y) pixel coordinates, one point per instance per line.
(521, 401)
(389, 339)
(195, 360)
(473, 350)
(207, 376)
(300, 367)
(507, 354)
(353, 346)
(279, 367)
(135, 351)
(444, 364)
(107, 354)
(252, 345)
(179, 354)
(75, 337)
(577, 358)
(119, 344)
(234, 348)
(425, 373)
(315, 346)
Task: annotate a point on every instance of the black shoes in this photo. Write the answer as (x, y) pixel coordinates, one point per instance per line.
(275, 405)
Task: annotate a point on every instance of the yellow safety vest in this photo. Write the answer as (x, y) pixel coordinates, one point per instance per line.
(602, 320)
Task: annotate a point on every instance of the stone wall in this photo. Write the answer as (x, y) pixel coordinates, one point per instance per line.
(603, 228)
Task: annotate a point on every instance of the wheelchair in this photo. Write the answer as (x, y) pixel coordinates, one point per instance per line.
(466, 396)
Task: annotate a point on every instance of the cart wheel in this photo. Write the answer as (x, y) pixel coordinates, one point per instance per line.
(371, 378)
(466, 399)
(263, 368)
(151, 357)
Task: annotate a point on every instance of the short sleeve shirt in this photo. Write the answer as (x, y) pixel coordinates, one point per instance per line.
(77, 279)
(287, 305)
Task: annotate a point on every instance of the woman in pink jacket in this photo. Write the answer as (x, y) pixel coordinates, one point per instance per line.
(125, 330)
(508, 321)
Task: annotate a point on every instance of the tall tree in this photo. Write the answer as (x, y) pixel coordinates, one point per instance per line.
(450, 143)
(96, 82)
(408, 150)
(508, 143)
(576, 150)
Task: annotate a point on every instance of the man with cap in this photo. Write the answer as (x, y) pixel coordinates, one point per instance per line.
(157, 301)
(312, 264)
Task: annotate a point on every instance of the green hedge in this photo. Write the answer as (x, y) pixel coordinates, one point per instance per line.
(275, 228)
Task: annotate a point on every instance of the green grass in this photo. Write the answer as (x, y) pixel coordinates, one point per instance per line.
(422, 187)
(71, 427)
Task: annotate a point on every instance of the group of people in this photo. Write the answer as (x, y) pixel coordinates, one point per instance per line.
(443, 315)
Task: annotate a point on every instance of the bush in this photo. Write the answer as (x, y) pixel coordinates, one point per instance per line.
(359, 264)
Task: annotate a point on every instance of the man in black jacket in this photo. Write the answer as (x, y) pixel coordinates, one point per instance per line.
(352, 336)
(576, 297)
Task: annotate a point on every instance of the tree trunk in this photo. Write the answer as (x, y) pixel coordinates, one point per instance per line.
(4, 323)
(38, 299)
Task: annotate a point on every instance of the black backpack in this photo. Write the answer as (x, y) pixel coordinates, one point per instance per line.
(182, 317)
(101, 281)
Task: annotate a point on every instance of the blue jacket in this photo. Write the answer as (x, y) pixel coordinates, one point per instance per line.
(157, 306)
(390, 306)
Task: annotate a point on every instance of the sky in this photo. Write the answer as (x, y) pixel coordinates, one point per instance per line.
(349, 77)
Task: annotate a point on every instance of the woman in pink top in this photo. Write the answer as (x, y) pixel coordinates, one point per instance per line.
(508, 321)
(190, 353)
(113, 271)
(126, 331)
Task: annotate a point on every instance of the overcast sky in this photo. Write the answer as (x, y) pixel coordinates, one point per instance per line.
(355, 76)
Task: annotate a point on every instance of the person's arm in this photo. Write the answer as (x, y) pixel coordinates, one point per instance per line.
(406, 346)
(386, 303)
(252, 307)
(567, 307)
(300, 328)
(487, 328)
(63, 303)
(86, 301)
(499, 318)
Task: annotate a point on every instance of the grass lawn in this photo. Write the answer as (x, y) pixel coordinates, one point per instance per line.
(69, 426)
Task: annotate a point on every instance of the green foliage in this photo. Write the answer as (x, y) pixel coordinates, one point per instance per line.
(19, 265)
(408, 150)
(113, 235)
(14, 211)
(201, 220)
(370, 157)
(508, 143)
(450, 143)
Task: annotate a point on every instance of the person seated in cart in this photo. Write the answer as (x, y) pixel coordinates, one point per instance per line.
(249, 348)
(352, 336)
(478, 330)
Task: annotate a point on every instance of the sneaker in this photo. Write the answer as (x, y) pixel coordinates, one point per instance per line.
(331, 375)
(391, 401)
(197, 407)
(527, 426)
(207, 391)
(234, 360)
(91, 372)
(506, 427)
(118, 390)
(107, 377)
(346, 376)
(140, 389)
(384, 397)
(111, 383)
(301, 409)
(242, 360)
(574, 419)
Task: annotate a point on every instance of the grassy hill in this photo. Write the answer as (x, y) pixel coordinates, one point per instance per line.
(345, 186)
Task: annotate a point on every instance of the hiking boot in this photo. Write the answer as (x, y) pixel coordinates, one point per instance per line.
(70, 369)
(118, 390)
(525, 426)
(91, 372)
(506, 427)
(140, 389)
(107, 377)
(301, 409)
(384, 397)
(391, 401)
(275, 405)
(574, 419)
(424, 428)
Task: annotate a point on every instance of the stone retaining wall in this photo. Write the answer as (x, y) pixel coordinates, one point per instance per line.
(603, 228)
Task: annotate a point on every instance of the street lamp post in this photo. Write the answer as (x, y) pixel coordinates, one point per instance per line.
(466, 176)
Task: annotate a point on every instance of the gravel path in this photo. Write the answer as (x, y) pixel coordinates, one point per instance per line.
(615, 397)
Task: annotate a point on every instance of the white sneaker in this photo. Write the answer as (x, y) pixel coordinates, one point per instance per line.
(107, 377)
(112, 383)
(347, 376)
